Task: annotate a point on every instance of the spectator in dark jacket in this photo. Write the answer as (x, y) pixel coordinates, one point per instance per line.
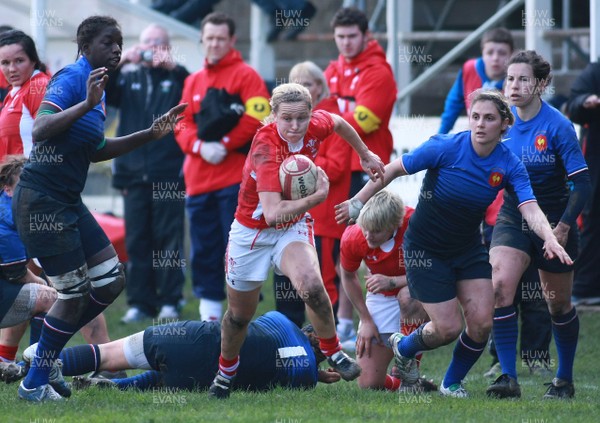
(583, 107)
(146, 84)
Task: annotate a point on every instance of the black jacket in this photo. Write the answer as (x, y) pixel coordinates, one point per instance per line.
(143, 94)
(586, 84)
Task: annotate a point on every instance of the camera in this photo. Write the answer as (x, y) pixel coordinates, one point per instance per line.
(146, 56)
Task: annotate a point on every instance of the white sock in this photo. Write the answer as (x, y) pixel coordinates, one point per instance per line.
(344, 325)
(210, 310)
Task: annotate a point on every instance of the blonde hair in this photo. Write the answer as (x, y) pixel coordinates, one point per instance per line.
(310, 70)
(383, 212)
(288, 93)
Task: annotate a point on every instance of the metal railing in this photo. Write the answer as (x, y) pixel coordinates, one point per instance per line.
(471, 39)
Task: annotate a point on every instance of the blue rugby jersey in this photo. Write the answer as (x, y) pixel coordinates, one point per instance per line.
(457, 189)
(548, 147)
(58, 165)
(12, 249)
(276, 353)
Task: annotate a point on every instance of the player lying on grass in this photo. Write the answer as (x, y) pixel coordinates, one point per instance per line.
(185, 355)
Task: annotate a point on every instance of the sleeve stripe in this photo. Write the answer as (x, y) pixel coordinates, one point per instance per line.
(45, 112)
(583, 169)
(11, 263)
(52, 104)
(527, 201)
(402, 165)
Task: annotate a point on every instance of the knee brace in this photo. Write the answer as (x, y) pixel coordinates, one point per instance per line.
(73, 284)
(109, 272)
(133, 349)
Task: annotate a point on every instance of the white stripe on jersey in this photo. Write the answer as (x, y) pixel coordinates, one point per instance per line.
(25, 129)
(286, 352)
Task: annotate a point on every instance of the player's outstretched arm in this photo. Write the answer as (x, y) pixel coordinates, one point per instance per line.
(370, 161)
(347, 212)
(537, 221)
(161, 126)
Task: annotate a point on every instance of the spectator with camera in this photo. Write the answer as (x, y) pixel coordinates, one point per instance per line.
(146, 84)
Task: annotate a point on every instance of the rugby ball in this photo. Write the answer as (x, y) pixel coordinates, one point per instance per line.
(298, 177)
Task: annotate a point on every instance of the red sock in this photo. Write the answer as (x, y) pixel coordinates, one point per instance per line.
(330, 346)
(392, 383)
(8, 353)
(228, 367)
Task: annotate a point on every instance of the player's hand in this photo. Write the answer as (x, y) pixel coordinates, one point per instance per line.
(561, 232)
(348, 211)
(342, 213)
(378, 283)
(367, 332)
(95, 86)
(213, 152)
(167, 122)
(322, 184)
(372, 165)
(329, 376)
(552, 249)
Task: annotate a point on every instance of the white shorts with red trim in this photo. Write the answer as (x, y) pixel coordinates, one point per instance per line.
(252, 252)
(385, 311)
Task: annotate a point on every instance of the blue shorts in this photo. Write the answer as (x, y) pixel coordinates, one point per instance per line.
(511, 230)
(432, 279)
(50, 228)
(186, 353)
(8, 294)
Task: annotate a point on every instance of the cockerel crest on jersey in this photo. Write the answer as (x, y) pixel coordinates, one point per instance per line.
(541, 143)
(495, 178)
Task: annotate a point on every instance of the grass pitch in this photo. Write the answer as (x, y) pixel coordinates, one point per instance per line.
(343, 401)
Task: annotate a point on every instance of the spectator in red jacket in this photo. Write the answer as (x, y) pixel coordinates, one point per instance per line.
(227, 100)
(23, 71)
(363, 84)
(3, 82)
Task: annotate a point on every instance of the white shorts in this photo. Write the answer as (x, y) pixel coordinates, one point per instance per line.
(252, 252)
(385, 312)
